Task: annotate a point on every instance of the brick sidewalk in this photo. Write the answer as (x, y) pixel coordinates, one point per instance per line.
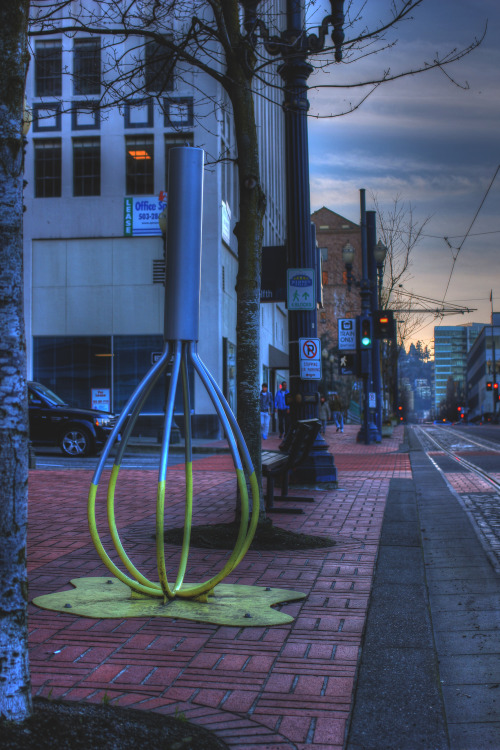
(268, 688)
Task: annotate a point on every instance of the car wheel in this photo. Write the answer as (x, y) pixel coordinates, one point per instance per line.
(77, 441)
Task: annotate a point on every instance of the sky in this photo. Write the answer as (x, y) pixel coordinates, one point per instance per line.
(432, 144)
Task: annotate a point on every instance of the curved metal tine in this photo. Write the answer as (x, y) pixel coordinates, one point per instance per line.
(162, 474)
(169, 411)
(231, 418)
(219, 408)
(122, 445)
(188, 450)
(188, 471)
(123, 416)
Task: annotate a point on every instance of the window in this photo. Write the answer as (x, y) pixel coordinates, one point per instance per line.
(178, 112)
(140, 165)
(86, 166)
(46, 117)
(87, 66)
(174, 141)
(139, 114)
(159, 68)
(48, 168)
(85, 116)
(48, 68)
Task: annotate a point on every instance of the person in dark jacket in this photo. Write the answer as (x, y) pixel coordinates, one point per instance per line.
(266, 406)
(283, 409)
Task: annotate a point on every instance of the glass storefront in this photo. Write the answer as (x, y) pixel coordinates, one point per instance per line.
(72, 366)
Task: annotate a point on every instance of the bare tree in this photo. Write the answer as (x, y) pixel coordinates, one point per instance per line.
(15, 692)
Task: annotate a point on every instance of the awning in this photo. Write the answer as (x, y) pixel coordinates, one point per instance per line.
(278, 360)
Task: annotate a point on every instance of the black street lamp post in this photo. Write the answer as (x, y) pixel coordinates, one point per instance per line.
(294, 46)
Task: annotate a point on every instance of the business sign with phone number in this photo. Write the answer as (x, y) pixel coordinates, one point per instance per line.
(142, 213)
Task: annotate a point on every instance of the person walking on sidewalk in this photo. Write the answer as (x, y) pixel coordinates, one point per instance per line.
(266, 406)
(283, 409)
(324, 413)
(338, 416)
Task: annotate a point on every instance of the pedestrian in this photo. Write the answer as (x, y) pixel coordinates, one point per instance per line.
(338, 416)
(266, 406)
(283, 409)
(324, 413)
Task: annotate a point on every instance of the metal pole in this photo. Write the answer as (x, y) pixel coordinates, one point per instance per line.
(368, 431)
(371, 228)
(295, 71)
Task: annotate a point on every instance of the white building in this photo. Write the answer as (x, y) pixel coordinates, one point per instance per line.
(93, 249)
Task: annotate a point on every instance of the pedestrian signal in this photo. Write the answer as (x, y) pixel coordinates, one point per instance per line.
(384, 324)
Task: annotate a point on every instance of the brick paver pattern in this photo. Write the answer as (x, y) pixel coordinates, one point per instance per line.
(267, 688)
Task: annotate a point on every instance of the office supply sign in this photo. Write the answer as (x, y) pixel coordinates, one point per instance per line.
(301, 289)
(347, 334)
(310, 359)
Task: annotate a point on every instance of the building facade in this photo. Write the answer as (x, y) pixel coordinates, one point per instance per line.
(332, 233)
(483, 367)
(451, 346)
(93, 247)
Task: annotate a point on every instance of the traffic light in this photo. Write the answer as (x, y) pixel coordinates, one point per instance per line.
(489, 385)
(496, 393)
(365, 332)
(384, 324)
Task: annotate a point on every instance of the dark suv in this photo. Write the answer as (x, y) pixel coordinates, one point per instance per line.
(78, 432)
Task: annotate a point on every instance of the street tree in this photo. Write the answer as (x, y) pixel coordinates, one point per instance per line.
(15, 693)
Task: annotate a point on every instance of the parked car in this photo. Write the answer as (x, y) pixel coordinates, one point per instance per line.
(443, 421)
(77, 432)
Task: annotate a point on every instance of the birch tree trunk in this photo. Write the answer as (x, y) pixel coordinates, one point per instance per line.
(15, 691)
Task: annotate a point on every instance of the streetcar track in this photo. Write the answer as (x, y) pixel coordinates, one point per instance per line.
(461, 460)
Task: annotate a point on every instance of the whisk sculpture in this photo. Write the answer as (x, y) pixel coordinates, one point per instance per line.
(229, 604)
(182, 312)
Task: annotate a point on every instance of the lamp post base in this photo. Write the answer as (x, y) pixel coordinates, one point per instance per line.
(369, 435)
(318, 467)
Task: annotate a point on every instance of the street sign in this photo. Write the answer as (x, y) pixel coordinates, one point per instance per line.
(300, 289)
(372, 400)
(347, 334)
(348, 363)
(310, 359)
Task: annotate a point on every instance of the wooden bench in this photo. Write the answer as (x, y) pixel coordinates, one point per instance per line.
(293, 450)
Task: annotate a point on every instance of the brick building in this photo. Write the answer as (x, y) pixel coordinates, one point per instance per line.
(332, 233)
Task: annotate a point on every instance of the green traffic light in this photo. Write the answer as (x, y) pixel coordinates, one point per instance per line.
(366, 341)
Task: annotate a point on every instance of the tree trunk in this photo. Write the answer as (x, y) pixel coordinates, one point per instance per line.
(15, 692)
(249, 232)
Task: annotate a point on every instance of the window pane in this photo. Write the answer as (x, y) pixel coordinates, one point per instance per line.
(140, 165)
(159, 68)
(86, 166)
(48, 168)
(87, 66)
(72, 366)
(48, 68)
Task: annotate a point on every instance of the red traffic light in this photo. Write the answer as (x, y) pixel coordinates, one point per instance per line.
(495, 386)
(489, 385)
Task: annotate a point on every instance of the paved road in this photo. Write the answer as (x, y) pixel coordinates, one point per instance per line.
(47, 458)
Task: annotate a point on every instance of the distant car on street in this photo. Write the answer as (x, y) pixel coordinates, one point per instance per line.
(77, 432)
(442, 421)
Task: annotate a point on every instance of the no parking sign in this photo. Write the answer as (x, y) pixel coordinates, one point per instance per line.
(310, 359)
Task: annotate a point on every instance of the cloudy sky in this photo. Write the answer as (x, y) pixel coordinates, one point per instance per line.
(430, 143)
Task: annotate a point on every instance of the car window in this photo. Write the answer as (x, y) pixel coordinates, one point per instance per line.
(48, 395)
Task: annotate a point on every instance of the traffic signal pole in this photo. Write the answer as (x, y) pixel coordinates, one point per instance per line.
(371, 232)
(368, 432)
